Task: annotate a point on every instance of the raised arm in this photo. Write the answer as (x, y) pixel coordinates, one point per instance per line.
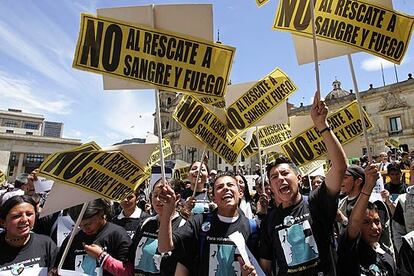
(336, 154)
(358, 212)
(169, 199)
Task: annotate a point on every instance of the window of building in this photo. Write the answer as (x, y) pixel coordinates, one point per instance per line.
(242, 158)
(10, 123)
(169, 101)
(34, 158)
(167, 124)
(30, 125)
(219, 161)
(365, 152)
(395, 125)
(29, 133)
(9, 131)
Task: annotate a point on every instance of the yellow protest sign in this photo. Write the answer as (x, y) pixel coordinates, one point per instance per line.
(155, 156)
(269, 136)
(308, 145)
(311, 167)
(269, 157)
(181, 169)
(192, 115)
(392, 143)
(181, 173)
(216, 102)
(253, 105)
(162, 59)
(112, 175)
(359, 24)
(261, 2)
(2, 177)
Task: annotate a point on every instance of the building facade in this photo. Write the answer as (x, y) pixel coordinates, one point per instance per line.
(27, 139)
(390, 108)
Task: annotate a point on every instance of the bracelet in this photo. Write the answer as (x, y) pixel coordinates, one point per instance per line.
(325, 129)
(101, 257)
(368, 195)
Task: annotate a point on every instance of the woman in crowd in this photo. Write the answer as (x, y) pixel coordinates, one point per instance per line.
(94, 229)
(130, 216)
(144, 256)
(22, 250)
(317, 181)
(200, 202)
(245, 202)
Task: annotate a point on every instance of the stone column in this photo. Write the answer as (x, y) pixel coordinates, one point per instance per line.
(20, 164)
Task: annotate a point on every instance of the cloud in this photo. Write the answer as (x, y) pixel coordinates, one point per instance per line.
(18, 93)
(50, 58)
(73, 133)
(127, 116)
(374, 63)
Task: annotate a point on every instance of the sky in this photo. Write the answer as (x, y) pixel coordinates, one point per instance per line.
(38, 40)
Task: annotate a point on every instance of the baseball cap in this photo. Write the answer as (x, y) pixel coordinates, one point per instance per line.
(356, 172)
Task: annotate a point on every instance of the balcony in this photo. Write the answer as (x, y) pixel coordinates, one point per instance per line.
(395, 133)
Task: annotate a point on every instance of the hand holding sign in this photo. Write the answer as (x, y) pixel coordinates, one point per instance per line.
(319, 112)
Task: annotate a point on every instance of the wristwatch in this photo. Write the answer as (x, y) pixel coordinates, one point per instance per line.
(345, 222)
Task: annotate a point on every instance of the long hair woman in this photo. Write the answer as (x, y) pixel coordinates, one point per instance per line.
(95, 229)
(22, 250)
(144, 256)
(245, 202)
(200, 202)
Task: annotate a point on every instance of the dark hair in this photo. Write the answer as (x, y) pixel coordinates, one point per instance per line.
(281, 160)
(21, 180)
(220, 175)
(258, 181)
(13, 201)
(392, 167)
(202, 162)
(247, 195)
(322, 177)
(94, 207)
(372, 206)
(36, 198)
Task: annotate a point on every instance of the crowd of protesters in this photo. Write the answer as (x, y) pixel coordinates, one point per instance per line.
(357, 219)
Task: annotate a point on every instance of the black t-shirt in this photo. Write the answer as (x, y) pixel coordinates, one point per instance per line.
(39, 251)
(113, 238)
(203, 245)
(297, 239)
(355, 257)
(144, 250)
(130, 224)
(395, 190)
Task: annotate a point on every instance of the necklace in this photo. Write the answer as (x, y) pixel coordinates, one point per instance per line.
(15, 241)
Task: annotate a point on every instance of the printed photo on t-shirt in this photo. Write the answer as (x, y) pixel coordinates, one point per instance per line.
(223, 260)
(146, 257)
(200, 206)
(298, 243)
(87, 265)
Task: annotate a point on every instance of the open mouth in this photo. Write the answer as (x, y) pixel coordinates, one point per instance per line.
(227, 196)
(284, 189)
(23, 228)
